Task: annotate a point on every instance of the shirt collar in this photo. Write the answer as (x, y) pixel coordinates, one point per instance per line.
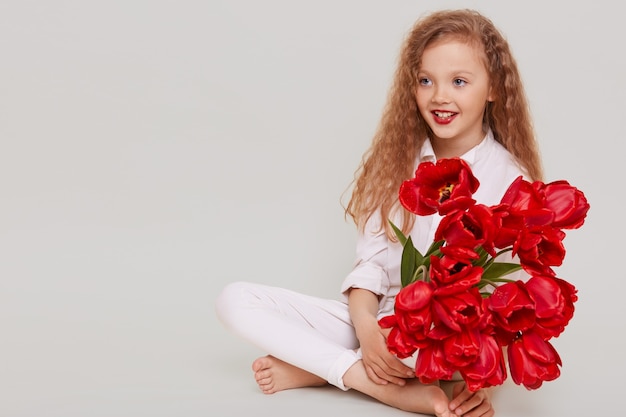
(428, 154)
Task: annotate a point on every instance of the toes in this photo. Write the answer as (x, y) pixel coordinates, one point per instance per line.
(260, 363)
(267, 388)
(264, 381)
(262, 374)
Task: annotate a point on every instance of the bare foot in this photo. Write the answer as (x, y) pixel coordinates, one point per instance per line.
(414, 396)
(274, 375)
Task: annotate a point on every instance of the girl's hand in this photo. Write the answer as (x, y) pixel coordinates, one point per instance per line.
(471, 404)
(381, 366)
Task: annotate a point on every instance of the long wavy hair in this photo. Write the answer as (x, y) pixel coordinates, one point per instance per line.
(392, 154)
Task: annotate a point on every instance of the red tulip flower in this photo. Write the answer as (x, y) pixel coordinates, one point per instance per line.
(471, 228)
(401, 343)
(568, 204)
(540, 249)
(463, 347)
(453, 277)
(557, 204)
(459, 310)
(412, 319)
(412, 307)
(431, 364)
(533, 360)
(554, 304)
(439, 187)
(489, 368)
(512, 308)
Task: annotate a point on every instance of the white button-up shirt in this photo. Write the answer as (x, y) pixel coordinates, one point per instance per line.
(377, 265)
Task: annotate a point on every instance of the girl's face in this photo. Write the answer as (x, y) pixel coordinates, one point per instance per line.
(452, 92)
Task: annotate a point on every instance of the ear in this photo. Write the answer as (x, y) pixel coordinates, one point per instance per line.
(491, 97)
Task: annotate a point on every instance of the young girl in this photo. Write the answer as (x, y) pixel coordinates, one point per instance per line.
(457, 92)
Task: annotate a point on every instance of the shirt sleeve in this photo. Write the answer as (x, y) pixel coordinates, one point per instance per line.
(370, 266)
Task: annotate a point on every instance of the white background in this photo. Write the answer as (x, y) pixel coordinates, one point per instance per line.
(153, 151)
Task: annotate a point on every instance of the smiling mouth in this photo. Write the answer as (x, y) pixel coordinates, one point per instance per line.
(443, 114)
(443, 117)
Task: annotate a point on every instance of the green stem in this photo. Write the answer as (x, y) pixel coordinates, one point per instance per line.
(483, 282)
(493, 258)
(503, 251)
(424, 271)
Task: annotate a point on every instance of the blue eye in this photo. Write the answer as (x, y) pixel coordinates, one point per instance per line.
(459, 82)
(425, 81)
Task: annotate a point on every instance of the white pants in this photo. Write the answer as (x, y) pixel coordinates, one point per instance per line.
(308, 332)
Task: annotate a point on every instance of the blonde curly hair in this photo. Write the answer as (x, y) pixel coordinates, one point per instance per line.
(392, 154)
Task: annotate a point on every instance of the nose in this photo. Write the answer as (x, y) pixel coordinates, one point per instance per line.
(440, 95)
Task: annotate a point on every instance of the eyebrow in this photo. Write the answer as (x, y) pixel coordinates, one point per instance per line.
(455, 72)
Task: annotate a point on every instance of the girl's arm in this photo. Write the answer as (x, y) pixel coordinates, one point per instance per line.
(382, 367)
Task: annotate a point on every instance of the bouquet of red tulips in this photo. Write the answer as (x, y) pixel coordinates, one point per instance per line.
(456, 307)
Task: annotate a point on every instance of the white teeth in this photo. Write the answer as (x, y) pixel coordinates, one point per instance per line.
(443, 114)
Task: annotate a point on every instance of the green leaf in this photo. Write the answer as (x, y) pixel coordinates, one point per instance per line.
(482, 253)
(412, 258)
(401, 237)
(434, 247)
(408, 263)
(499, 269)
